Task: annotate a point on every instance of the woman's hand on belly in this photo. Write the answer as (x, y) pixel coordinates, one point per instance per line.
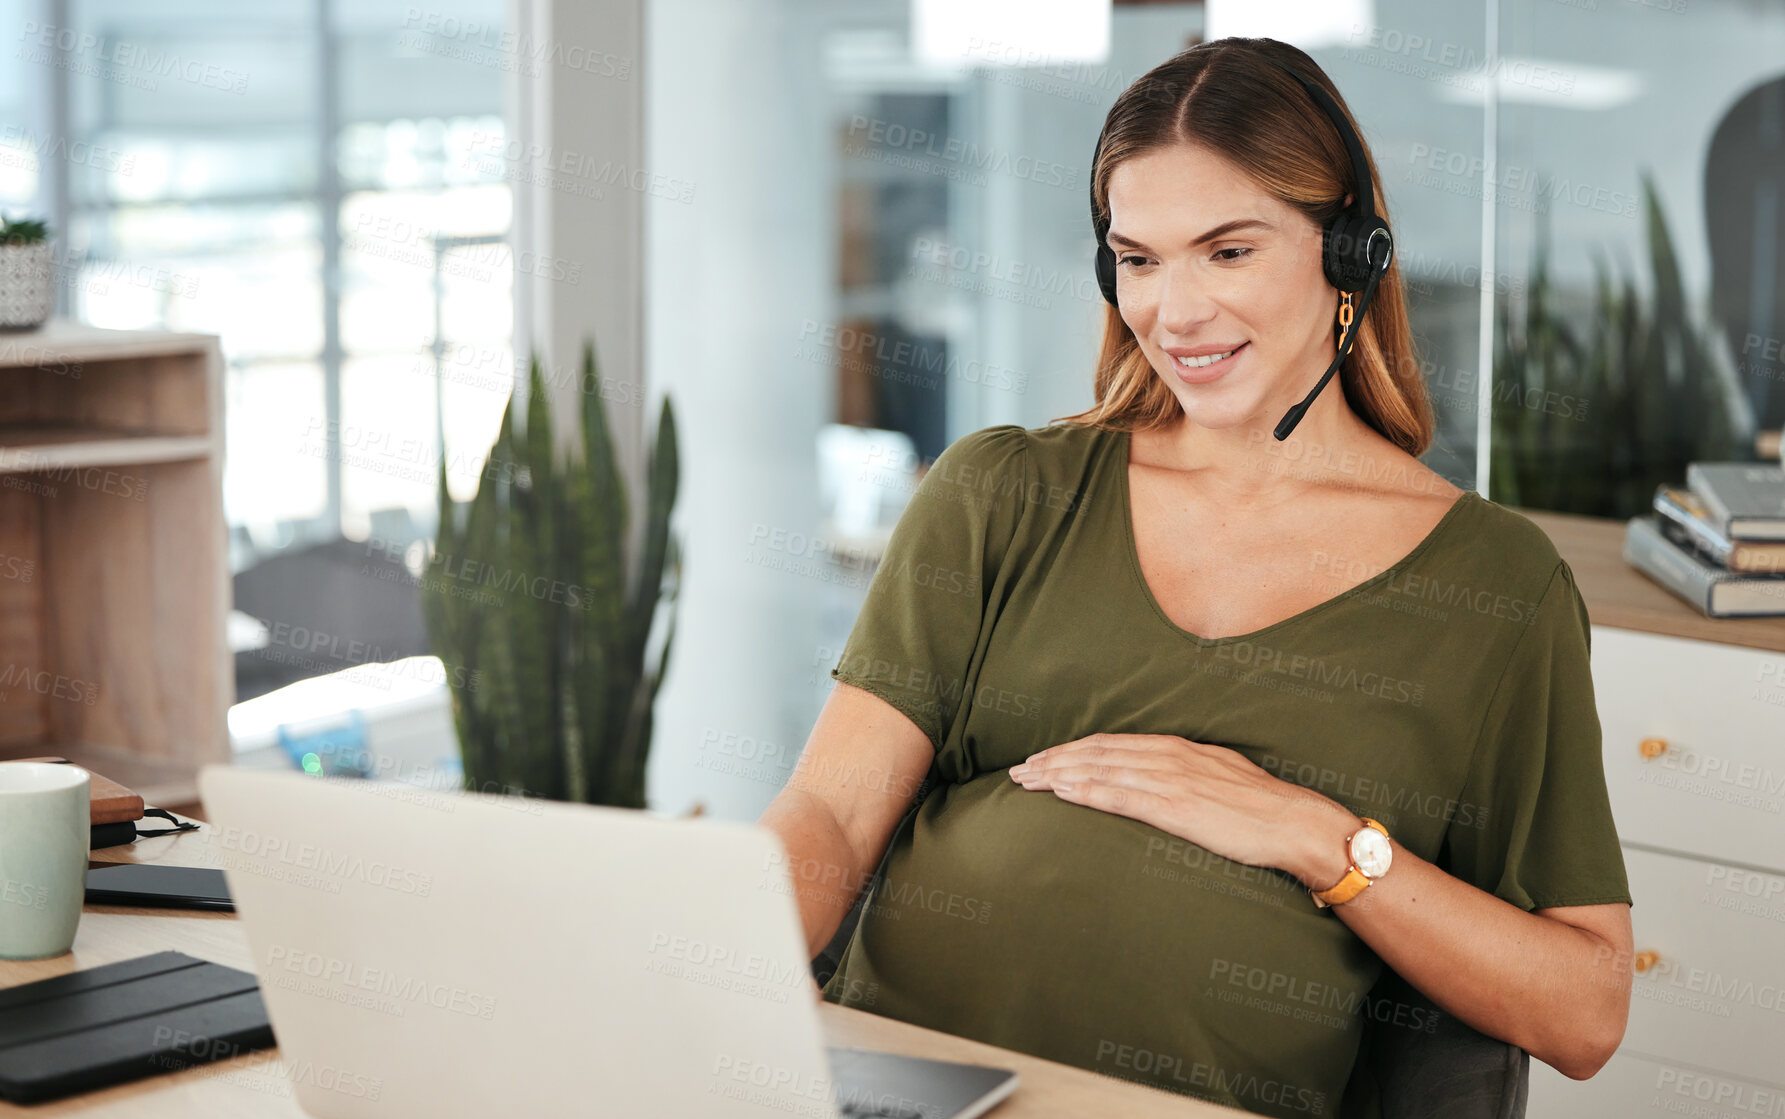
(1209, 795)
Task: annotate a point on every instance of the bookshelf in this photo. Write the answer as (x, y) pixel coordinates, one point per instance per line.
(114, 571)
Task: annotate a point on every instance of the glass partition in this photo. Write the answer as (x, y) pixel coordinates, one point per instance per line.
(1639, 218)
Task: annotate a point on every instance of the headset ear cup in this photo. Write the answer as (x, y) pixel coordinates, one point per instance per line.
(1349, 240)
(1106, 273)
(1341, 250)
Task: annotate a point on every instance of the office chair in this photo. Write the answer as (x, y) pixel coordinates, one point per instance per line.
(363, 604)
(1453, 1072)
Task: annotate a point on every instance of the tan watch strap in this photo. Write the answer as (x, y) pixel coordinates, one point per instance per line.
(1355, 880)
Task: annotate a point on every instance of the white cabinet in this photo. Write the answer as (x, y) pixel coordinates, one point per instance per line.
(1711, 948)
(1694, 739)
(1633, 1086)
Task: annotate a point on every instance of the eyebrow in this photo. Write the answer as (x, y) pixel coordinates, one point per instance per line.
(1219, 231)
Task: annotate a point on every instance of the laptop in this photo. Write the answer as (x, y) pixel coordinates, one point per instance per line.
(429, 952)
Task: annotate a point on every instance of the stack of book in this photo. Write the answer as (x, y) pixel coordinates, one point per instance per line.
(1719, 542)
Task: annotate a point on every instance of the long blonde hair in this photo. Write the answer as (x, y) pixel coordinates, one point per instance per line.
(1225, 96)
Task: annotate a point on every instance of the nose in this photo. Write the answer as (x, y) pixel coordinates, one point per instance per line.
(1185, 301)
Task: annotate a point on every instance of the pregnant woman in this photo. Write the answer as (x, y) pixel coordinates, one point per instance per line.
(1211, 708)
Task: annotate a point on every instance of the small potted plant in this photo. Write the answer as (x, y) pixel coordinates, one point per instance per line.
(27, 280)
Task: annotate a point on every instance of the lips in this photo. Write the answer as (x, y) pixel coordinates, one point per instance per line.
(1194, 357)
(1207, 365)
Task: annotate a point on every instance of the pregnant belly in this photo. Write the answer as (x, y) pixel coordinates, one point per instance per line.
(1017, 918)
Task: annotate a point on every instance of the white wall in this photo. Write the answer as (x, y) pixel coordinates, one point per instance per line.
(733, 103)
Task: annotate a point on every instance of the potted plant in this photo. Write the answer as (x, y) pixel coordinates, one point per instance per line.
(551, 690)
(27, 281)
(1596, 405)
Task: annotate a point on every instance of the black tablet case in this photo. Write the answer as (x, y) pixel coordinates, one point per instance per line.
(105, 1025)
(159, 887)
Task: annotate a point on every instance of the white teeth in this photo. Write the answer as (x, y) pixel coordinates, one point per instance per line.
(1199, 362)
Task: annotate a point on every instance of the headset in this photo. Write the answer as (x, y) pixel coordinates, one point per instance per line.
(1349, 244)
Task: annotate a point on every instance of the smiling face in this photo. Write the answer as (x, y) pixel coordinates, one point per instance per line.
(1208, 263)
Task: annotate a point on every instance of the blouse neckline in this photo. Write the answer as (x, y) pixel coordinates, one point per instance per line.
(1468, 497)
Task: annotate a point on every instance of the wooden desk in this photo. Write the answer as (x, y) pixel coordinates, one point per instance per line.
(1619, 595)
(254, 1085)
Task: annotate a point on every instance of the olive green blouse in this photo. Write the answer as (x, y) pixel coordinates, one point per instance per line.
(1447, 697)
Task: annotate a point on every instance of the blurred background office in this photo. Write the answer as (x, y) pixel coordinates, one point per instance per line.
(839, 236)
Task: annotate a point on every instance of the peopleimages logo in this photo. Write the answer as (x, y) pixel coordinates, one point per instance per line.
(46, 683)
(1376, 795)
(894, 136)
(1742, 785)
(404, 989)
(1155, 1066)
(330, 865)
(723, 958)
(1740, 1098)
(259, 1069)
(121, 60)
(1319, 671)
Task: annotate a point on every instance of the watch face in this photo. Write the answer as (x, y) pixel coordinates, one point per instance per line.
(1371, 852)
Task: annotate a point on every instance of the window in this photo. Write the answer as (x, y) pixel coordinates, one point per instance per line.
(300, 178)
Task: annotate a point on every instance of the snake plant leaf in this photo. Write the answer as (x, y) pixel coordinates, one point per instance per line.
(637, 736)
(662, 482)
(588, 676)
(526, 575)
(601, 568)
(457, 623)
(589, 685)
(608, 515)
(638, 755)
(634, 694)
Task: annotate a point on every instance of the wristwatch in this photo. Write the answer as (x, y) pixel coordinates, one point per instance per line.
(1370, 856)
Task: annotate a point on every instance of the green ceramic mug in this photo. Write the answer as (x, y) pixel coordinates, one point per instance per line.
(45, 828)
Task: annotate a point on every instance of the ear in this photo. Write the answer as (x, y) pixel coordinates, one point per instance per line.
(1348, 199)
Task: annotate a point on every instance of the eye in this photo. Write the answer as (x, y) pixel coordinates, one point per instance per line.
(1222, 254)
(1126, 259)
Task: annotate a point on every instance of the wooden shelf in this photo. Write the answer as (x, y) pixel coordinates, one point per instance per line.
(24, 449)
(114, 583)
(61, 342)
(1619, 595)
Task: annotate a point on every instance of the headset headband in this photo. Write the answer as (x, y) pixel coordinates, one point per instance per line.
(1350, 240)
(1364, 204)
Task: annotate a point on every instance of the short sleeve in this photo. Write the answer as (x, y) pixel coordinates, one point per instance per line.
(1534, 825)
(913, 642)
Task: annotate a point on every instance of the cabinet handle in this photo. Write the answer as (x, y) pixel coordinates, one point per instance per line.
(1653, 748)
(1646, 960)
